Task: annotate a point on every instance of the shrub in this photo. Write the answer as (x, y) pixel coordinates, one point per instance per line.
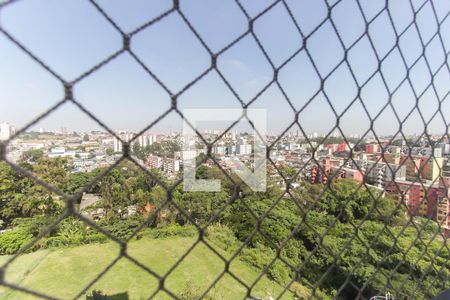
(14, 240)
(70, 232)
(222, 236)
(34, 225)
(261, 256)
(174, 230)
(258, 256)
(60, 241)
(279, 272)
(303, 293)
(428, 226)
(100, 295)
(122, 228)
(190, 291)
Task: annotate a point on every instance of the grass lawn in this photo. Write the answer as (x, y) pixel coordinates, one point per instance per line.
(64, 272)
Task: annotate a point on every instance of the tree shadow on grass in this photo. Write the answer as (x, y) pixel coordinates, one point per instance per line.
(99, 295)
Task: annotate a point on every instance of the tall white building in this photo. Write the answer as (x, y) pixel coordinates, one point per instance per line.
(143, 140)
(233, 134)
(231, 149)
(220, 150)
(6, 131)
(171, 165)
(244, 149)
(117, 145)
(146, 140)
(128, 136)
(151, 139)
(189, 154)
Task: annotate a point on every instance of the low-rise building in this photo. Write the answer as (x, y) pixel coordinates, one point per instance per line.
(425, 198)
(154, 162)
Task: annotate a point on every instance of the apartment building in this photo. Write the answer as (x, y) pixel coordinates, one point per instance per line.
(421, 198)
(168, 165)
(154, 162)
(6, 131)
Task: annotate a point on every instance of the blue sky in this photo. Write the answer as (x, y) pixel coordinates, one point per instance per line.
(71, 37)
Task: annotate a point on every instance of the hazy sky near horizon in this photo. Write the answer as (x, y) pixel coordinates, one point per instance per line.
(71, 37)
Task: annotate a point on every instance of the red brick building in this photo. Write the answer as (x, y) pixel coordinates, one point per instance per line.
(424, 199)
(372, 148)
(328, 167)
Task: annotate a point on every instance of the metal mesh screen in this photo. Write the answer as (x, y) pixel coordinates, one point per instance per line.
(430, 275)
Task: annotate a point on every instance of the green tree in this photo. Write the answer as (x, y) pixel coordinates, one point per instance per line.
(113, 192)
(200, 206)
(77, 181)
(54, 171)
(109, 151)
(32, 155)
(20, 197)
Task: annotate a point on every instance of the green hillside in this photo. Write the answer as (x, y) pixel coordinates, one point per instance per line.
(64, 272)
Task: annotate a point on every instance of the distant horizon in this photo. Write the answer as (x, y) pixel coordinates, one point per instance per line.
(121, 94)
(212, 130)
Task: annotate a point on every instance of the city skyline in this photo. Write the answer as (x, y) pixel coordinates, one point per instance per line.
(122, 94)
(213, 130)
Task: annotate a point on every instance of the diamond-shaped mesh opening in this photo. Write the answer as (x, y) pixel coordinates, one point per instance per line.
(358, 172)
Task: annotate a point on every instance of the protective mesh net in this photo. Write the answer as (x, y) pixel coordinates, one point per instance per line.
(439, 39)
